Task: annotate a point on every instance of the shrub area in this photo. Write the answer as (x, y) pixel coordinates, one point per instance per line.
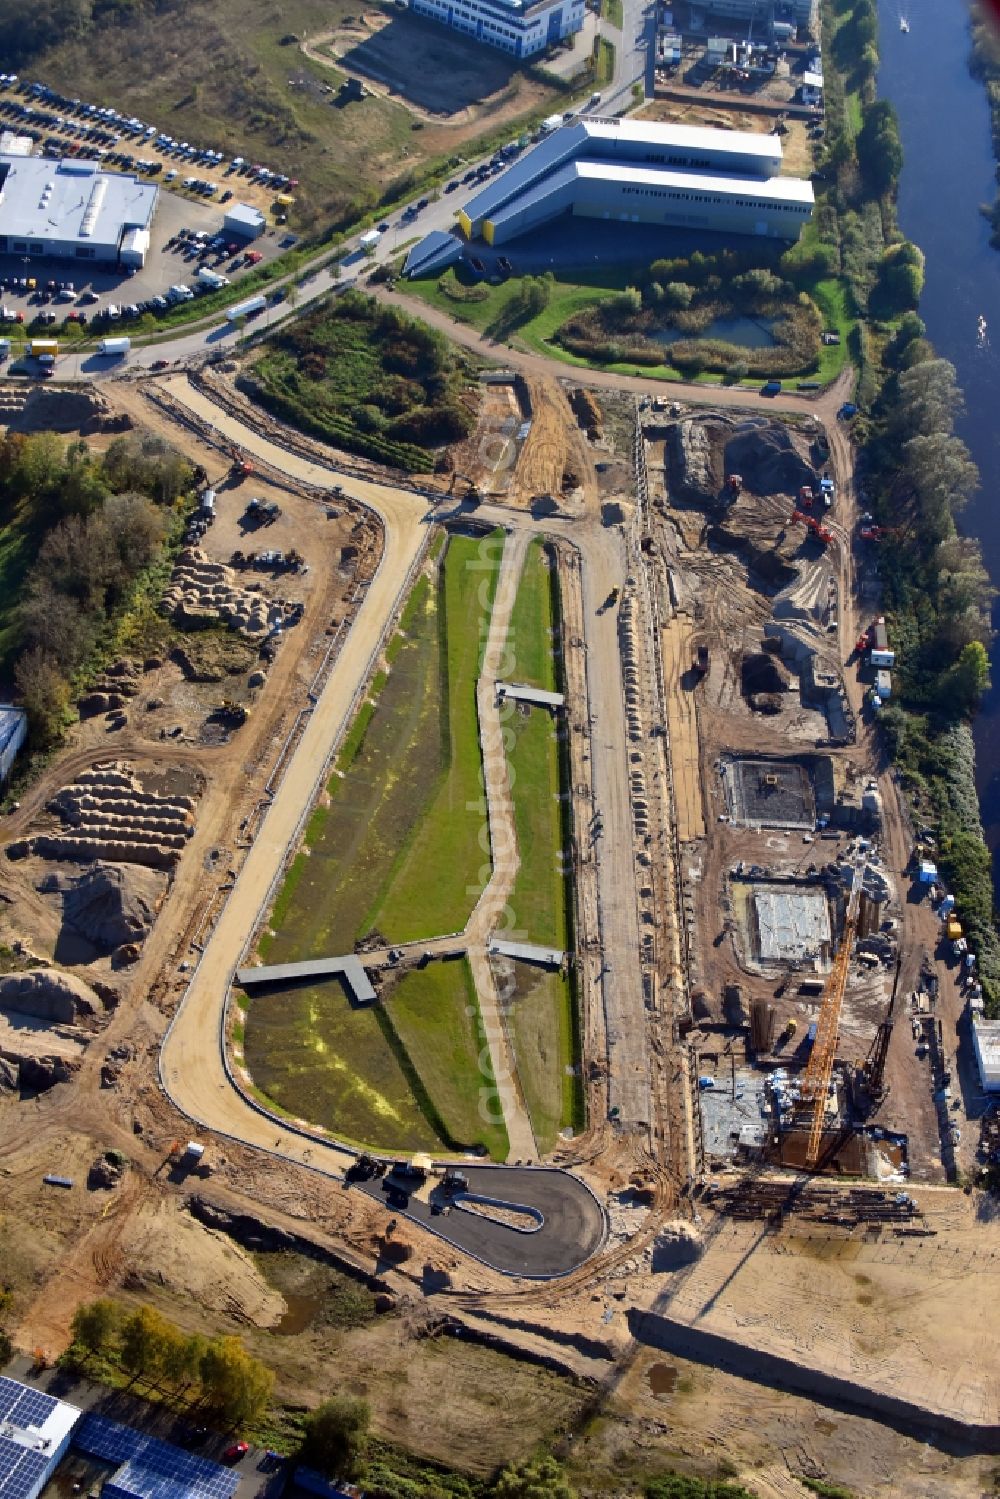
(368, 379)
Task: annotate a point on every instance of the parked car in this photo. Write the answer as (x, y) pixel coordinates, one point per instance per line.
(235, 1451)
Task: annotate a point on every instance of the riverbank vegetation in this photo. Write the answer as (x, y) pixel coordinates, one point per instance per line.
(918, 475)
(368, 379)
(984, 64)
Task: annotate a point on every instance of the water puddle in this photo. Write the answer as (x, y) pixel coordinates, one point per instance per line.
(299, 1314)
(662, 1379)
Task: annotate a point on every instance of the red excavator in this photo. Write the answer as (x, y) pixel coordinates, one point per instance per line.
(822, 533)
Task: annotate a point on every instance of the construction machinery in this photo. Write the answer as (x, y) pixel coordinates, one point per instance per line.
(701, 661)
(873, 1070)
(734, 484)
(815, 1085)
(241, 467)
(822, 533)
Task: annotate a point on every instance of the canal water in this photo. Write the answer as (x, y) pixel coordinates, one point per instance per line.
(948, 173)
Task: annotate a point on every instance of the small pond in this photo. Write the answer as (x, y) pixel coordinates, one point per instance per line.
(745, 332)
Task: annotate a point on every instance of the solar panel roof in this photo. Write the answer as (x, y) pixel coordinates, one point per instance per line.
(23, 1406)
(151, 1469)
(20, 1469)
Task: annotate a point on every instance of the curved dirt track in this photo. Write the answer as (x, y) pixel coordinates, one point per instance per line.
(191, 1061)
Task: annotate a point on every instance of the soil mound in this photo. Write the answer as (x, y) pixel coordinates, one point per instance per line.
(768, 460)
(49, 994)
(111, 905)
(677, 1245)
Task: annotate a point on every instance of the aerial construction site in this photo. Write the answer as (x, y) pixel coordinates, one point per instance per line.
(491, 889)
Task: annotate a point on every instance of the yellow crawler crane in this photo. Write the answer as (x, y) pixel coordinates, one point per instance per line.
(819, 1069)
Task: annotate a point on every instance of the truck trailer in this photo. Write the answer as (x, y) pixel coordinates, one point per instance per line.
(44, 350)
(114, 348)
(250, 308)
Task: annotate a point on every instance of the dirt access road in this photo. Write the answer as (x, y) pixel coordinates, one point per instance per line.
(191, 1061)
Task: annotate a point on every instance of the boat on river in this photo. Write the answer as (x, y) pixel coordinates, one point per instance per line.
(904, 25)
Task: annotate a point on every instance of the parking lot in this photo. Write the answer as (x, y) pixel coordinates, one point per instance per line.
(171, 261)
(61, 126)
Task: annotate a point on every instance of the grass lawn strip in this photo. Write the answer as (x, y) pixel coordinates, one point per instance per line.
(435, 1014)
(428, 892)
(541, 1022)
(532, 622)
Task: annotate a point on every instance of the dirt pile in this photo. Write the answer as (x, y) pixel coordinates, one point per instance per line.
(107, 1171)
(202, 593)
(110, 905)
(766, 456)
(693, 453)
(49, 994)
(677, 1245)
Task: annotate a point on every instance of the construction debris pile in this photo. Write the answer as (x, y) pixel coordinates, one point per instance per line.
(202, 592)
(107, 815)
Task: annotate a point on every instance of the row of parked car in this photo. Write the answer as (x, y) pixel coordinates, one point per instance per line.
(104, 128)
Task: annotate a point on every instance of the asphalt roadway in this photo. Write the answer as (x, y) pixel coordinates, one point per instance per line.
(572, 1229)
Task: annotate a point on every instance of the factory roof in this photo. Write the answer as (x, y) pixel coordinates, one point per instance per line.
(70, 200)
(762, 190)
(986, 1035)
(766, 189)
(608, 138)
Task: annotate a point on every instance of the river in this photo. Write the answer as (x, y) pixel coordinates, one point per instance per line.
(948, 172)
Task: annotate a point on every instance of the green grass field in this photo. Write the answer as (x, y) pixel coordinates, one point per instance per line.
(318, 1058)
(394, 848)
(435, 1014)
(541, 1021)
(539, 899)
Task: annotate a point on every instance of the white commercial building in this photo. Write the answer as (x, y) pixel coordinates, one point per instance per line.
(636, 172)
(73, 210)
(986, 1040)
(521, 27)
(35, 1431)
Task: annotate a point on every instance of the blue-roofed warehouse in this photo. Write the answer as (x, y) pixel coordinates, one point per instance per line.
(151, 1469)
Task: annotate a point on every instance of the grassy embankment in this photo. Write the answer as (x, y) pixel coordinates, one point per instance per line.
(542, 1013)
(393, 849)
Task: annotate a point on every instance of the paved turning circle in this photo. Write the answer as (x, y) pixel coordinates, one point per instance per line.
(571, 1229)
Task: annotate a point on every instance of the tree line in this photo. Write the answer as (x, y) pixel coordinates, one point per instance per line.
(81, 529)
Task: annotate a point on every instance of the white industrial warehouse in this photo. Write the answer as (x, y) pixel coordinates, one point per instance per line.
(72, 210)
(521, 27)
(635, 172)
